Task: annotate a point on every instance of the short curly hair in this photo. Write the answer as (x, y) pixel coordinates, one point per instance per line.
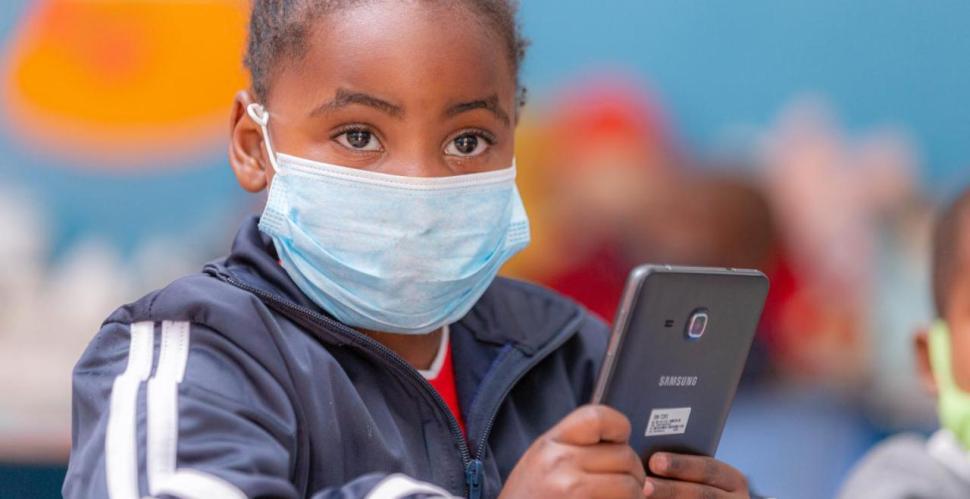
(278, 30)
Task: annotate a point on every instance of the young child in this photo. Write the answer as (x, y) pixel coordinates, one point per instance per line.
(909, 466)
(356, 341)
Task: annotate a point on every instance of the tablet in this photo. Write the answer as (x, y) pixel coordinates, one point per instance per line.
(675, 356)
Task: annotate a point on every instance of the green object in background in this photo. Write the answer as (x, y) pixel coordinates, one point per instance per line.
(20, 481)
(954, 402)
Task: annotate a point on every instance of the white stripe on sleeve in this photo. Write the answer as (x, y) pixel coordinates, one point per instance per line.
(162, 395)
(397, 486)
(121, 438)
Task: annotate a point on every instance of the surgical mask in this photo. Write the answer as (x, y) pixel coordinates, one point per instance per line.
(386, 252)
(954, 402)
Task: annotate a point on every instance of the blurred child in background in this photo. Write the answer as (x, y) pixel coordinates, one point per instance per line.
(909, 466)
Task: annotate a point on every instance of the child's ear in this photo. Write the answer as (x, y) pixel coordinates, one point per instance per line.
(924, 367)
(246, 154)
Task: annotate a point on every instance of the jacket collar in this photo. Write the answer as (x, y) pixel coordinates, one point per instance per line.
(509, 312)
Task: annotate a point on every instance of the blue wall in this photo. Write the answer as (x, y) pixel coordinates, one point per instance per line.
(716, 64)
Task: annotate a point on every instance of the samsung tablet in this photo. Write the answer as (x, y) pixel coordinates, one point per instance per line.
(678, 346)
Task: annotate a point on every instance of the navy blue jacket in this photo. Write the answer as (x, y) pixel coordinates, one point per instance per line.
(231, 383)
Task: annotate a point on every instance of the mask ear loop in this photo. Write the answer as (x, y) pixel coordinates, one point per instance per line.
(258, 113)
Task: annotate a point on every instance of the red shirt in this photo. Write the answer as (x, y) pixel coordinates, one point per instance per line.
(441, 375)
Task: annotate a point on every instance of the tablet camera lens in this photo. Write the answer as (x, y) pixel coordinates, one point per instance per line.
(697, 324)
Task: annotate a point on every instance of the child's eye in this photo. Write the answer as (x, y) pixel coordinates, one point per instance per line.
(359, 140)
(467, 145)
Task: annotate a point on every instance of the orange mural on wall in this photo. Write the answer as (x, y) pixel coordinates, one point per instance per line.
(110, 79)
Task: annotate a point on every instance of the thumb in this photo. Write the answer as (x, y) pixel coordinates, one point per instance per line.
(592, 424)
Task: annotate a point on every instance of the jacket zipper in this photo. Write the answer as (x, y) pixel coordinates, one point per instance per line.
(475, 493)
(473, 465)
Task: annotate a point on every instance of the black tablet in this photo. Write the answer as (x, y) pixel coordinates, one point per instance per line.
(679, 344)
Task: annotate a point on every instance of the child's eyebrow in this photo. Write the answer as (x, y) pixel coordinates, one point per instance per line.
(489, 103)
(344, 98)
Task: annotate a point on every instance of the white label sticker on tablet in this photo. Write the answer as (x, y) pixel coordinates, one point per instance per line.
(667, 421)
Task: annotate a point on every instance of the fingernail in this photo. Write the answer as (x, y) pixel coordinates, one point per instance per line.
(661, 461)
(648, 488)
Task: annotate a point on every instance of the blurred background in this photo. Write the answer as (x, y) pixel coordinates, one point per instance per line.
(810, 139)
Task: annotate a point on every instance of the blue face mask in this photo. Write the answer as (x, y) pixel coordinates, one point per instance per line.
(386, 252)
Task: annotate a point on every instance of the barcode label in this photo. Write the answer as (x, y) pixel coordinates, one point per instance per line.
(667, 421)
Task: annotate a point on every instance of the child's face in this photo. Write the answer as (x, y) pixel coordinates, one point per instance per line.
(406, 88)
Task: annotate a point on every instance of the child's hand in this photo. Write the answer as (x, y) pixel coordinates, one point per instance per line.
(584, 455)
(694, 477)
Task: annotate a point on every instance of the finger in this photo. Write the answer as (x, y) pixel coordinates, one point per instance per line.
(592, 424)
(698, 469)
(609, 486)
(612, 458)
(658, 488)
